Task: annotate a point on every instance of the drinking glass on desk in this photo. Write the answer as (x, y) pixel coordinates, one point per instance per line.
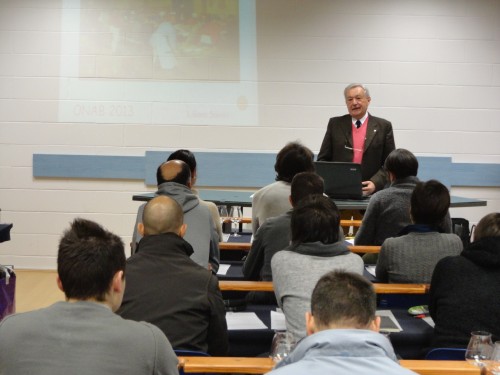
(282, 345)
(223, 215)
(493, 364)
(235, 215)
(479, 348)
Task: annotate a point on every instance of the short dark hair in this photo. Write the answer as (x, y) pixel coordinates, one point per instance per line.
(345, 299)
(89, 256)
(186, 156)
(183, 177)
(488, 226)
(315, 218)
(305, 184)
(292, 159)
(402, 163)
(429, 203)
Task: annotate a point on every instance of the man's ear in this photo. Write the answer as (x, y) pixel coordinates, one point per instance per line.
(140, 229)
(59, 284)
(118, 283)
(290, 200)
(375, 324)
(310, 324)
(182, 230)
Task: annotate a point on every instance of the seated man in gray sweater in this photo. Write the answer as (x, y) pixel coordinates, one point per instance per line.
(412, 257)
(315, 250)
(342, 330)
(388, 210)
(82, 335)
(174, 181)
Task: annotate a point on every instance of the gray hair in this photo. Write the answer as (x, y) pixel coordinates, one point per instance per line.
(354, 85)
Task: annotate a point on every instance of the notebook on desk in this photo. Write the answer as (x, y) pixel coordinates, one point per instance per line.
(342, 180)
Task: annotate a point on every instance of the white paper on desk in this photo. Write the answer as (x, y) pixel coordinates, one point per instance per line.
(371, 270)
(388, 322)
(223, 268)
(243, 320)
(429, 321)
(278, 321)
(225, 237)
(350, 241)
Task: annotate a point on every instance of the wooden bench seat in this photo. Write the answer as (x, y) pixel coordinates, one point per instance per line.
(246, 246)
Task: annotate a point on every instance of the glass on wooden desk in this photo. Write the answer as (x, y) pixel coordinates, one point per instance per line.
(493, 364)
(282, 345)
(235, 216)
(479, 348)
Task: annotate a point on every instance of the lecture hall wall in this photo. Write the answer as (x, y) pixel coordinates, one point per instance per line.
(432, 66)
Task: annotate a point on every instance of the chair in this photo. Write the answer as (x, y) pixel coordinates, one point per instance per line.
(446, 354)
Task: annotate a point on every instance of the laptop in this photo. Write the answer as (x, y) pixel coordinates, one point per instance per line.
(342, 180)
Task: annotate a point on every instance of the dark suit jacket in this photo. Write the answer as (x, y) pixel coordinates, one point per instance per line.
(337, 146)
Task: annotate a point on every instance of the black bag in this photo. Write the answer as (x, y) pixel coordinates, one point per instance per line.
(461, 228)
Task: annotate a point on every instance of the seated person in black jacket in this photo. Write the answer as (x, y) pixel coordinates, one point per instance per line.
(167, 288)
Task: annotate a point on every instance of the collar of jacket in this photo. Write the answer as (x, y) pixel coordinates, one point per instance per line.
(320, 249)
(409, 182)
(164, 243)
(419, 228)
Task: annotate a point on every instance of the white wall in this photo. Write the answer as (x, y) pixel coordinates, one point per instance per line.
(432, 66)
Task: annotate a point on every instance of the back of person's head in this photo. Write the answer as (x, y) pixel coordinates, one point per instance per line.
(429, 203)
(343, 300)
(401, 163)
(315, 218)
(162, 214)
(488, 226)
(89, 257)
(186, 156)
(305, 184)
(173, 171)
(292, 159)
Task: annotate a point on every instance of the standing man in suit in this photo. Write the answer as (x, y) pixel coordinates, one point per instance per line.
(360, 138)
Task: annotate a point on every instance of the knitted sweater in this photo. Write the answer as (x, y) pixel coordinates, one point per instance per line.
(296, 271)
(411, 258)
(388, 212)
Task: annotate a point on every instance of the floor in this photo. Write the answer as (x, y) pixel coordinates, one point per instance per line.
(36, 289)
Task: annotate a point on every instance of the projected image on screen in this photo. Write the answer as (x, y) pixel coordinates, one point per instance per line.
(183, 39)
(159, 62)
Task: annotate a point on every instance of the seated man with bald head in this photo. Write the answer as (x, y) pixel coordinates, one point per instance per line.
(174, 181)
(167, 288)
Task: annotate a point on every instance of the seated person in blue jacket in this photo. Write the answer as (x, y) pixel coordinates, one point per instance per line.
(342, 331)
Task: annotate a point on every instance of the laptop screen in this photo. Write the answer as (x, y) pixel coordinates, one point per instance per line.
(342, 180)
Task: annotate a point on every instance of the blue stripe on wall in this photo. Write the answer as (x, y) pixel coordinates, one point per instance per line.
(88, 166)
(219, 169)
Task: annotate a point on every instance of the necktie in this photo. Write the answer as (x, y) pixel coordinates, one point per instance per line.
(358, 124)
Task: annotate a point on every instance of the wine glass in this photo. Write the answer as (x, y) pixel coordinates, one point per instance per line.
(223, 214)
(479, 348)
(282, 345)
(493, 364)
(235, 215)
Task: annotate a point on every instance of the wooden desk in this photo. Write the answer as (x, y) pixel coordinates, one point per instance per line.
(246, 246)
(242, 198)
(267, 286)
(244, 365)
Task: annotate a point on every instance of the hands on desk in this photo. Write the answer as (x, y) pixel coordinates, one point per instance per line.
(368, 187)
